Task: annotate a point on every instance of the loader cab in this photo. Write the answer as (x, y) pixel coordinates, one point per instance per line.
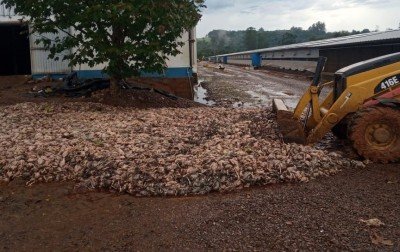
(341, 76)
(340, 85)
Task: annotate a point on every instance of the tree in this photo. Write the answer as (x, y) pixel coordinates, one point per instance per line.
(204, 48)
(250, 39)
(301, 35)
(262, 39)
(296, 30)
(319, 28)
(288, 38)
(222, 42)
(340, 34)
(129, 36)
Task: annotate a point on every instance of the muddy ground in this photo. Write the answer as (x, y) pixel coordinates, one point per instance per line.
(324, 214)
(320, 215)
(20, 89)
(245, 87)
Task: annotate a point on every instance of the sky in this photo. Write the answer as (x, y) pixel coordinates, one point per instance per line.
(284, 14)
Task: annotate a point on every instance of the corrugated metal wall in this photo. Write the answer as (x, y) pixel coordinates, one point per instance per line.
(247, 62)
(292, 54)
(341, 56)
(296, 59)
(183, 59)
(195, 65)
(295, 65)
(5, 12)
(40, 62)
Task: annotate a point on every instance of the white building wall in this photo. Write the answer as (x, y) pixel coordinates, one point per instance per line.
(183, 59)
(300, 53)
(6, 12)
(40, 63)
(180, 61)
(195, 65)
(240, 62)
(291, 64)
(299, 59)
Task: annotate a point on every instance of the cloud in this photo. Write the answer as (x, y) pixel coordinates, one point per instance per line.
(283, 14)
(219, 5)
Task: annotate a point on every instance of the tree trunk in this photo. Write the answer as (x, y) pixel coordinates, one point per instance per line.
(115, 88)
(116, 63)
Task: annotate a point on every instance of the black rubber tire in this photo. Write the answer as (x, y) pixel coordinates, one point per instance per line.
(340, 130)
(359, 124)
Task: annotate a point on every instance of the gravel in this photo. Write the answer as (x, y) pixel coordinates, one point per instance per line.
(154, 152)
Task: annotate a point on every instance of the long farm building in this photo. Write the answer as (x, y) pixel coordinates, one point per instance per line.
(340, 52)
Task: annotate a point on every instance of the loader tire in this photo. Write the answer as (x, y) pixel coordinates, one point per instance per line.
(340, 130)
(375, 134)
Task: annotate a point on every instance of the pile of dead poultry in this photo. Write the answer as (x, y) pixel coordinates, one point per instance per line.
(154, 152)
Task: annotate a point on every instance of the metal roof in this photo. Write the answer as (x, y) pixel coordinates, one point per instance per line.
(347, 40)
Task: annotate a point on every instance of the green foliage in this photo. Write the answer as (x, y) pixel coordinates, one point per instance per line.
(204, 48)
(129, 36)
(221, 42)
(262, 39)
(251, 39)
(319, 28)
(288, 38)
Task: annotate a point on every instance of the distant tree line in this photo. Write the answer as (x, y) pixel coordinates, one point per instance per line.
(221, 41)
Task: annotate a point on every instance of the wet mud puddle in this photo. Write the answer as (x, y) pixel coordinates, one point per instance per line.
(201, 95)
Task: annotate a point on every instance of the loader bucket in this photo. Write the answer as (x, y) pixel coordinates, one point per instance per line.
(292, 129)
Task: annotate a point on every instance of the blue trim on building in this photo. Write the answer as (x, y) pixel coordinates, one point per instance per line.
(90, 74)
(176, 72)
(225, 59)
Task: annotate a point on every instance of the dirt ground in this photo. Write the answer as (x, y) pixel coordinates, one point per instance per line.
(324, 214)
(320, 215)
(244, 87)
(17, 89)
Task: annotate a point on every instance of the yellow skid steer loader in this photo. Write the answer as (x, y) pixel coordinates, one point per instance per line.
(364, 107)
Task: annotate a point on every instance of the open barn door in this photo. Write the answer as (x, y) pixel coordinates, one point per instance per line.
(14, 49)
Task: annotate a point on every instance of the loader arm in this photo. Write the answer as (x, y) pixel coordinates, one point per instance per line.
(361, 90)
(312, 97)
(312, 94)
(363, 107)
(290, 124)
